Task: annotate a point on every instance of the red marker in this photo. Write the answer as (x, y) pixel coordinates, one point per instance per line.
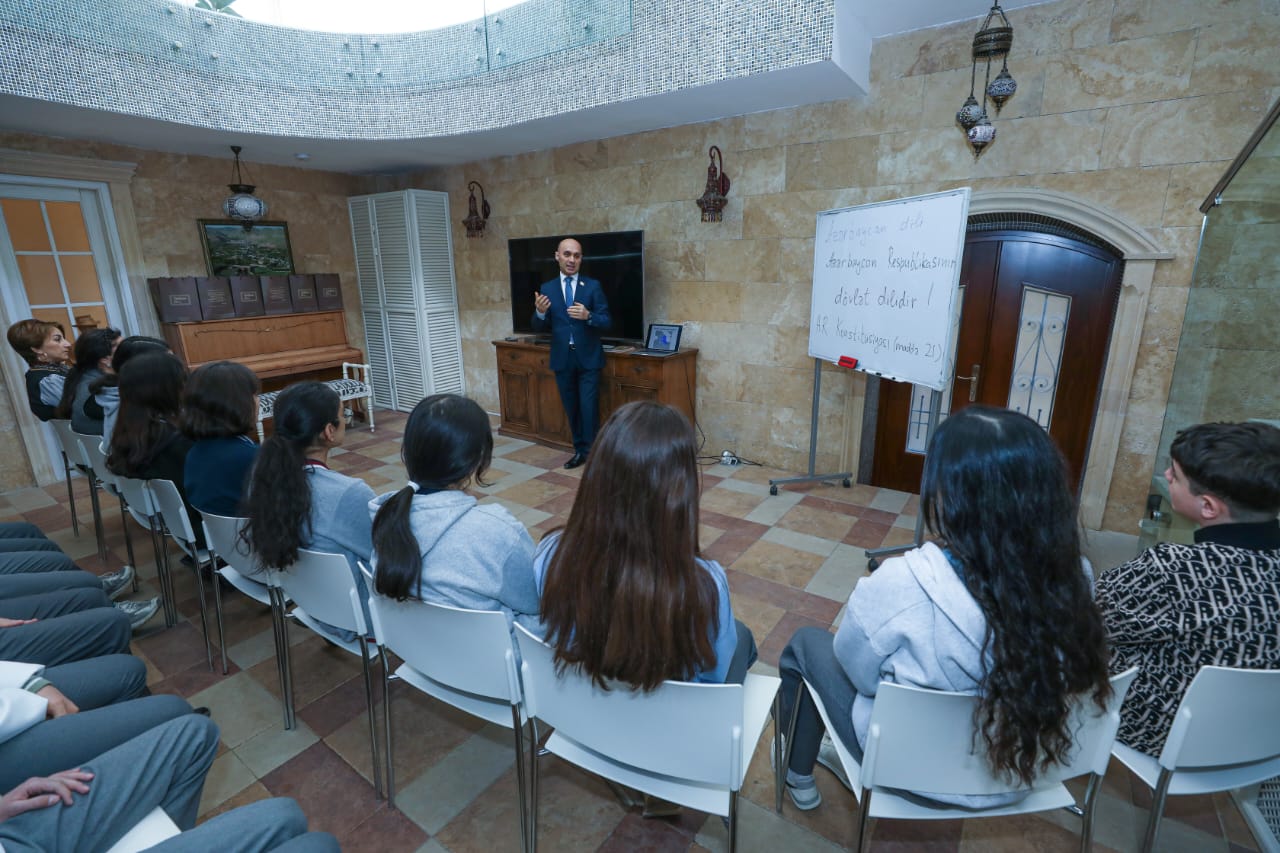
(847, 361)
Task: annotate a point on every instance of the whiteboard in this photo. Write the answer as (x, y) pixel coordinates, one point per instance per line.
(885, 279)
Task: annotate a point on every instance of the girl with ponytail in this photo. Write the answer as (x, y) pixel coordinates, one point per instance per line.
(295, 500)
(431, 540)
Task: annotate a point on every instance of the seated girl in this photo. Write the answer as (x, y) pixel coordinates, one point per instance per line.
(93, 351)
(1000, 605)
(105, 389)
(295, 500)
(219, 414)
(46, 350)
(431, 540)
(145, 442)
(625, 592)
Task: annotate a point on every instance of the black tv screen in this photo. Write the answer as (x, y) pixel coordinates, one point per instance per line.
(615, 259)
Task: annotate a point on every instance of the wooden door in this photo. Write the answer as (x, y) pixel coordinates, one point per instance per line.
(1035, 322)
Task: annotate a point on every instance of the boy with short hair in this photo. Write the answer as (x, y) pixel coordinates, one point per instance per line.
(1176, 608)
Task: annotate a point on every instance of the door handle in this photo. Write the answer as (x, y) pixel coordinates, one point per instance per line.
(973, 382)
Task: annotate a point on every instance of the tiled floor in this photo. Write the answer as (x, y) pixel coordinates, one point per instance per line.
(791, 559)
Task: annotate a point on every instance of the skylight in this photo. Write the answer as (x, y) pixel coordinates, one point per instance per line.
(366, 16)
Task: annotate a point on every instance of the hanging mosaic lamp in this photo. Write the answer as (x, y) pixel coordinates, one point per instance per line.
(1002, 88)
(969, 114)
(242, 205)
(981, 135)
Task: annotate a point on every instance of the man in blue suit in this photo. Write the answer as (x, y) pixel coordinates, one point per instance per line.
(575, 310)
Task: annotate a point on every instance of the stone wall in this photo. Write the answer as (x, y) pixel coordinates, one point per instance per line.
(1136, 106)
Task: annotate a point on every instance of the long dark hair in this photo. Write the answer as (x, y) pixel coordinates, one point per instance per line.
(995, 492)
(219, 401)
(91, 347)
(624, 597)
(447, 443)
(127, 349)
(279, 502)
(150, 391)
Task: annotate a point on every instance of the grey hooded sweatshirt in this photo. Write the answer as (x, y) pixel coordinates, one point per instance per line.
(474, 556)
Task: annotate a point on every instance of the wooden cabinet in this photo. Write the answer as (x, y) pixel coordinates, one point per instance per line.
(530, 402)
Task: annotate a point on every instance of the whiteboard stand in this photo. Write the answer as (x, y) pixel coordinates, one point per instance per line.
(875, 554)
(845, 476)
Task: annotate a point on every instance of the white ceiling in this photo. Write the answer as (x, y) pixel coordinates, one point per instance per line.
(813, 83)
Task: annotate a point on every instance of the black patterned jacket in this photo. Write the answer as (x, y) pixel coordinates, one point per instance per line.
(1176, 608)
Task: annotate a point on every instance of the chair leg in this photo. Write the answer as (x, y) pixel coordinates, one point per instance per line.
(166, 594)
(128, 540)
(98, 532)
(286, 661)
(1090, 800)
(784, 754)
(864, 820)
(281, 641)
(71, 496)
(368, 410)
(217, 615)
(733, 821)
(386, 727)
(517, 726)
(533, 787)
(779, 765)
(1157, 810)
(204, 606)
(373, 726)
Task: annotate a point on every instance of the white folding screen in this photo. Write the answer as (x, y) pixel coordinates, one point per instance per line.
(408, 295)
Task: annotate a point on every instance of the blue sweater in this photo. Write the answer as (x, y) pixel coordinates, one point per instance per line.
(340, 522)
(216, 474)
(725, 641)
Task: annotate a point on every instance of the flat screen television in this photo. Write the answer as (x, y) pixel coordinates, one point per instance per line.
(615, 259)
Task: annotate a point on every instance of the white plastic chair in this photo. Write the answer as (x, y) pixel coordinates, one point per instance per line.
(687, 743)
(322, 588)
(222, 534)
(464, 658)
(141, 504)
(177, 523)
(1225, 734)
(923, 740)
(94, 454)
(63, 433)
(73, 445)
(157, 826)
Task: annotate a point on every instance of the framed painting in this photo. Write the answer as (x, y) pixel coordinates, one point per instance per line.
(230, 249)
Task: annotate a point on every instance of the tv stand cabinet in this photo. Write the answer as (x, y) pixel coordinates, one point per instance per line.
(530, 401)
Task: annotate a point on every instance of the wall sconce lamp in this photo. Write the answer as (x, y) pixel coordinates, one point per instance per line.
(713, 197)
(242, 205)
(476, 219)
(990, 42)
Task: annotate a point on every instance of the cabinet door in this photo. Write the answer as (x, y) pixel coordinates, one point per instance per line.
(628, 391)
(552, 423)
(517, 395)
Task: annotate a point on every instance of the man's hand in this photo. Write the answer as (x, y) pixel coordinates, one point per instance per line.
(13, 623)
(59, 705)
(578, 311)
(42, 792)
(541, 303)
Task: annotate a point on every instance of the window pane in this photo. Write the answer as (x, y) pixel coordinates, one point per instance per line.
(40, 279)
(55, 315)
(91, 316)
(26, 225)
(67, 222)
(82, 278)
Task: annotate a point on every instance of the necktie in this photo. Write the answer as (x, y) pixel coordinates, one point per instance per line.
(568, 291)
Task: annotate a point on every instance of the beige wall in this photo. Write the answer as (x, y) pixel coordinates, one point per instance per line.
(170, 192)
(1133, 105)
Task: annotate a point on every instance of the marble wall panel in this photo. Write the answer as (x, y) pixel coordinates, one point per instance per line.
(1136, 18)
(777, 304)
(1237, 55)
(1236, 392)
(1189, 185)
(756, 171)
(829, 165)
(945, 91)
(742, 260)
(1154, 68)
(1183, 242)
(674, 261)
(694, 300)
(593, 154)
(1071, 142)
(1189, 130)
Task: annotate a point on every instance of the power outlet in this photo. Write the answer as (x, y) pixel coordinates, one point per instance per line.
(729, 458)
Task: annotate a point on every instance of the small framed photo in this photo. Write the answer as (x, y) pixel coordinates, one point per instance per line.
(230, 249)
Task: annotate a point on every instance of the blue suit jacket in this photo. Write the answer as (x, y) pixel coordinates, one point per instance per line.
(586, 333)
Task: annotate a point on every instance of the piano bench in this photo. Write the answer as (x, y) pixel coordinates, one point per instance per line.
(354, 385)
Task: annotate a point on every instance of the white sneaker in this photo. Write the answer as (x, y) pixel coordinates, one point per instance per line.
(139, 612)
(806, 797)
(115, 583)
(830, 759)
